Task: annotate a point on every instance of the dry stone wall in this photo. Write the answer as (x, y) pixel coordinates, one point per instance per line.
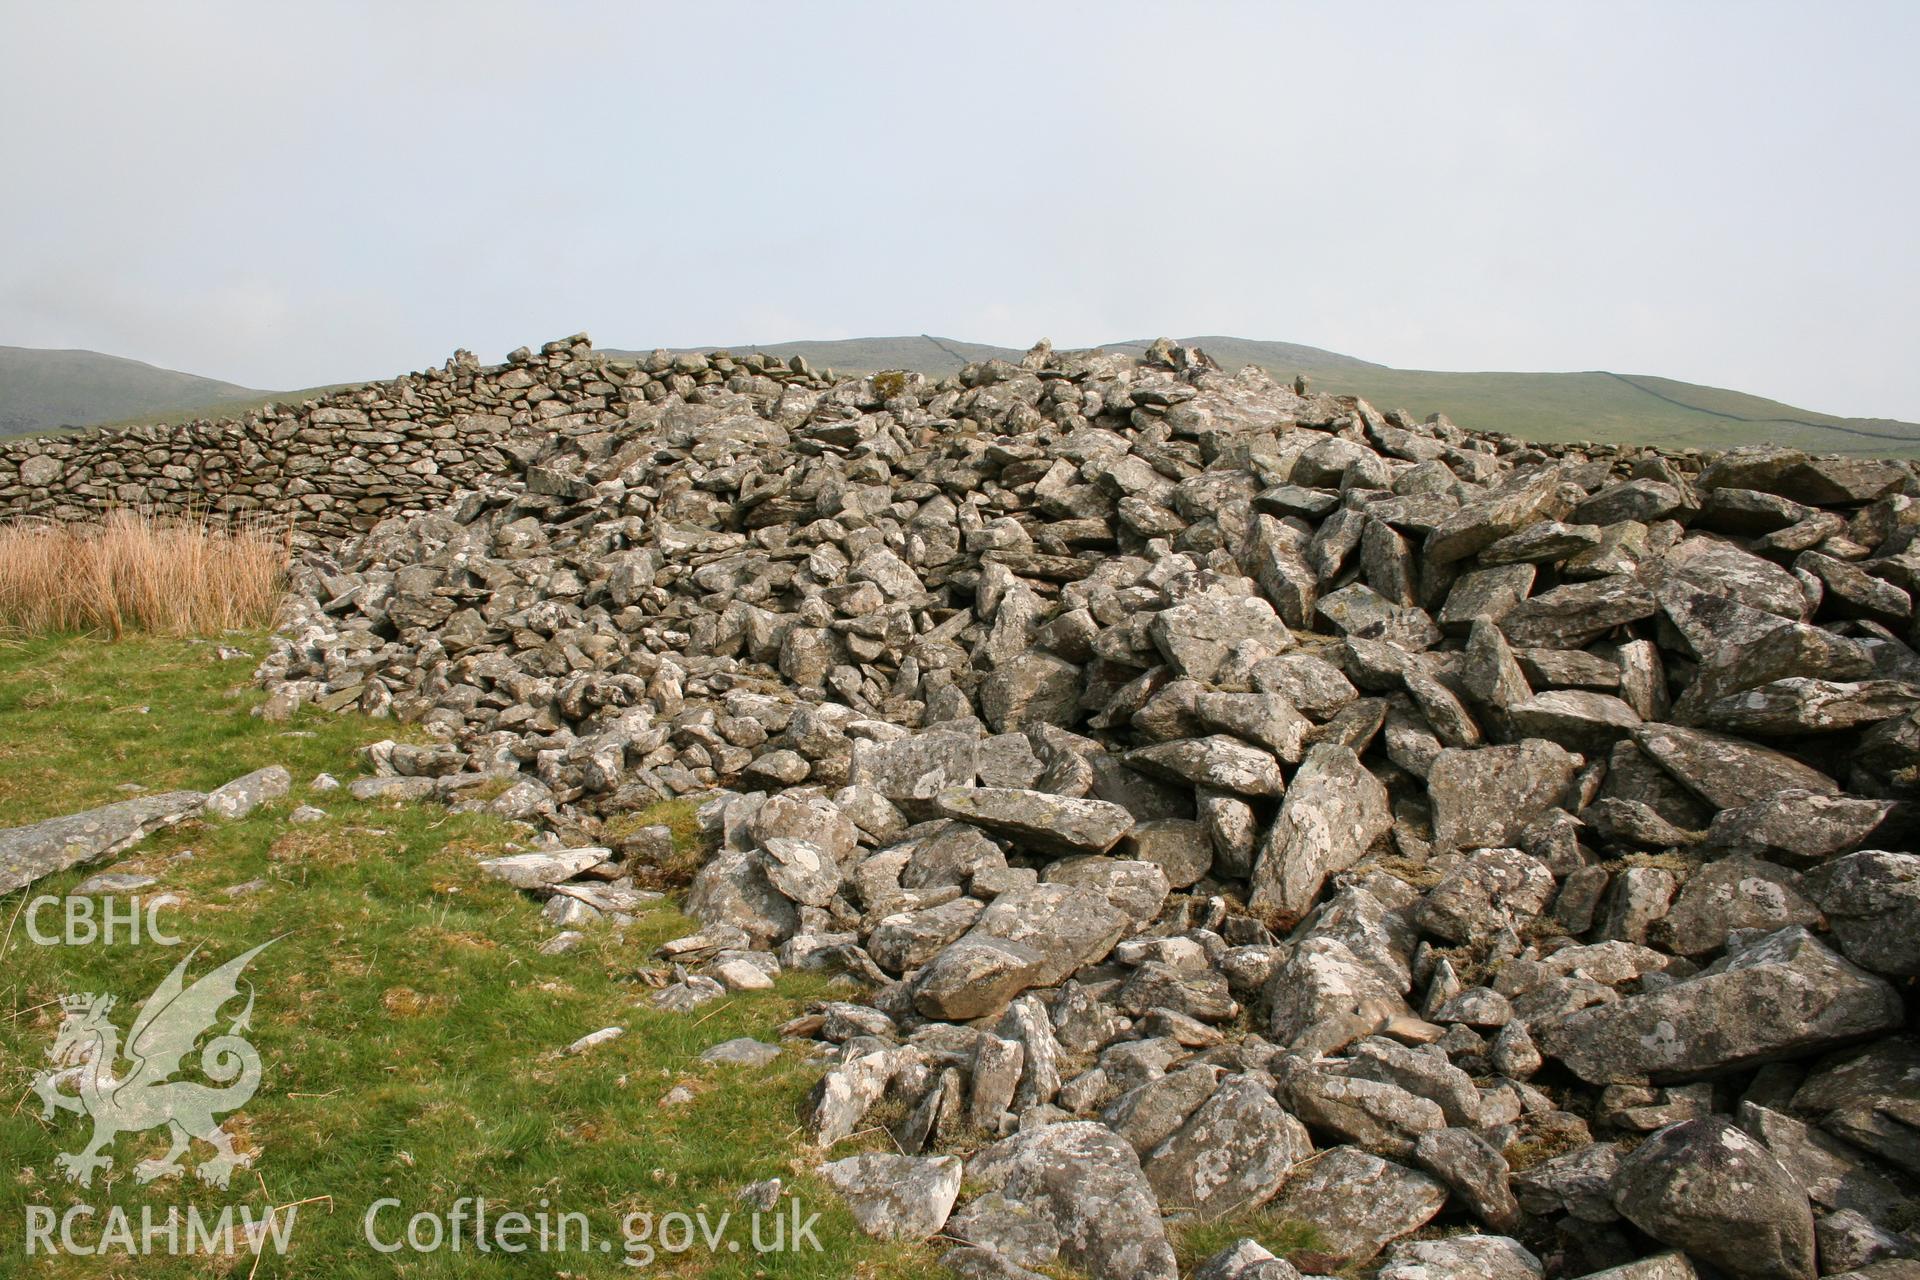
(341, 463)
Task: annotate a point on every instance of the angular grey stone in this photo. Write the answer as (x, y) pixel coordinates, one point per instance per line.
(1381, 1117)
(545, 867)
(1358, 610)
(1708, 1188)
(1359, 1202)
(1325, 997)
(1197, 635)
(1835, 1175)
(1723, 569)
(1490, 795)
(1137, 890)
(1578, 1183)
(1733, 893)
(1473, 1171)
(897, 1197)
(844, 1095)
(1799, 705)
(1866, 1098)
(1031, 937)
(1310, 683)
(1151, 1112)
(733, 889)
(39, 849)
(1578, 613)
(1233, 1153)
(1087, 1184)
(1783, 996)
(1723, 771)
(1333, 813)
(1544, 542)
(1488, 890)
(1576, 718)
(236, 799)
(1034, 688)
(1464, 1257)
(1266, 719)
(908, 939)
(746, 1052)
(1182, 849)
(1038, 822)
(919, 767)
(1802, 827)
(801, 870)
(975, 977)
(1220, 762)
(1872, 900)
(1486, 520)
(1245, 1259)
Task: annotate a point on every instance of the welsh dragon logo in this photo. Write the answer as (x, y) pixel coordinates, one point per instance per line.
(87, 1050)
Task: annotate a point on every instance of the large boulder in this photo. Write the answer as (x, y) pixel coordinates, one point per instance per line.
(1086, 1186)
(1232, 1153)
(1334, 812)
(1708, 1188)
(1037, 822)
(42, 848)
(1784, 995)
(897, 1197)
(1488, 796)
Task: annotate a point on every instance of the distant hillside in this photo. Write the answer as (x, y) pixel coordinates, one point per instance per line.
(42, 390)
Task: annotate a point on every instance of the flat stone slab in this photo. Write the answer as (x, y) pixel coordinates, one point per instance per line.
(33, 852)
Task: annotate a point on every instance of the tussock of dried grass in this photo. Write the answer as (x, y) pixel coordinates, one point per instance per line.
(133, 571)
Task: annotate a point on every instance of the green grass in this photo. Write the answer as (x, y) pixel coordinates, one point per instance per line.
(1282, 1237)
(407, 1025)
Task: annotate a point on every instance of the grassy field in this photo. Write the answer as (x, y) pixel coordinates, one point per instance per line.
(407, 1024)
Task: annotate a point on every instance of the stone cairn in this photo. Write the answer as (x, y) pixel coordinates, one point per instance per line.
(1216, 798)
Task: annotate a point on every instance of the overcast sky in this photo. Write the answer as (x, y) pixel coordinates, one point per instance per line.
(282, 195)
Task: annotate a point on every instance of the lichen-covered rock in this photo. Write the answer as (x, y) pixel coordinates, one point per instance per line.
(1784, 995)
(1489, 796)
(1358, 1202)
(897, 1197)
(1036, 821)
(1708, 1188)
(1232, 1153)
(1086, 1185)
(1333, 813)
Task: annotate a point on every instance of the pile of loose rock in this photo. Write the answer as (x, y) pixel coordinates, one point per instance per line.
(1224, 798)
